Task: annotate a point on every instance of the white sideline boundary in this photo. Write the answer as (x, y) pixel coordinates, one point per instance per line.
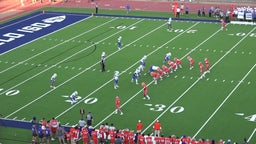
(249, 139)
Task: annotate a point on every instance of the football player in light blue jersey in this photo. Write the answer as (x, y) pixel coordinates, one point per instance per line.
(116, 74)
(72, 97)
(135, 76)
(167, 57)
(143, 63)
(53, 78)
(119, 42)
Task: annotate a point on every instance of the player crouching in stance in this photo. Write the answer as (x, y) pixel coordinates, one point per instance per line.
(178, 62)
(145, 91)
(116, 74)
(118, 106)
(143, 63)
(166, 70)
(53, 78)
(135, 76)
(201, 66)
(167, 57)
(173, 66)
(72, 97)
(155, 76)
(191, 62)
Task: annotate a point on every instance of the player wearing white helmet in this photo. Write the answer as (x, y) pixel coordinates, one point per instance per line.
(72, 97)
(143, 63)
(116, 74)
(119, 42)
(53, 78)
(169, 24)
(167, 57)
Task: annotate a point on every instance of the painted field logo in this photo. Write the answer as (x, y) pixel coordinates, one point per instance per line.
(11, 36)
(55, 19)
(20, 32)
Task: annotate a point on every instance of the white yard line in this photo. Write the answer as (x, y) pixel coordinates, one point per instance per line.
(48, 49)
(111, 80)
(224, 101)
(167, 109)
(72, 76)
(67, 59)
(251, 134)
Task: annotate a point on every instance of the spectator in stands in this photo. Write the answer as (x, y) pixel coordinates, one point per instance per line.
(210, 12)
(96, 8)
(186, 10)
(254, 16)
(128, 8)
(199, 12)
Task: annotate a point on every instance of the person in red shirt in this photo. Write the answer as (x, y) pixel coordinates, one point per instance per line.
(207, 65)
(201, 66)
(112, 136)
(54, 126)
(94, 135)
(126, 136)
(191, 62)
(141, 139)
(162, 139)
(149, 139)
(102, 134)
(85, 136)
(131, 137)
(178, 62)
(118, 106)
(161, 73)
(68, 136)
(157, 128)
(157, 139)
(166, 70)
(145, 90)
(155, 76)
(173, 66)
(139, 126)
(223, 25)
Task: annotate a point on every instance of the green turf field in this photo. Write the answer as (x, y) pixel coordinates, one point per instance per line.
(219, 106)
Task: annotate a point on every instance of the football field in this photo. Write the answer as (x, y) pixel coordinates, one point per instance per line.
(219, 106)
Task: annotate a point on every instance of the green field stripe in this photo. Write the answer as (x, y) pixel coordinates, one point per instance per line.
(198, 80)
(119, 74)
(129, 68)
(66, 59)
(54, 66)
(64, 42)
(205, 123)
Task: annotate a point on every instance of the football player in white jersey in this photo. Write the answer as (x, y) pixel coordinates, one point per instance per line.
(116, 74)
(143, 63)
(53, 79)
(72, 97)
(167, 57)
(119, 42)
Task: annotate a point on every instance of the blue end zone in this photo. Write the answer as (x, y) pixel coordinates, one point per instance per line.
(26, 29)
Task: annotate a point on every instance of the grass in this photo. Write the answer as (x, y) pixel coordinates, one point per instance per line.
(184, 104)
